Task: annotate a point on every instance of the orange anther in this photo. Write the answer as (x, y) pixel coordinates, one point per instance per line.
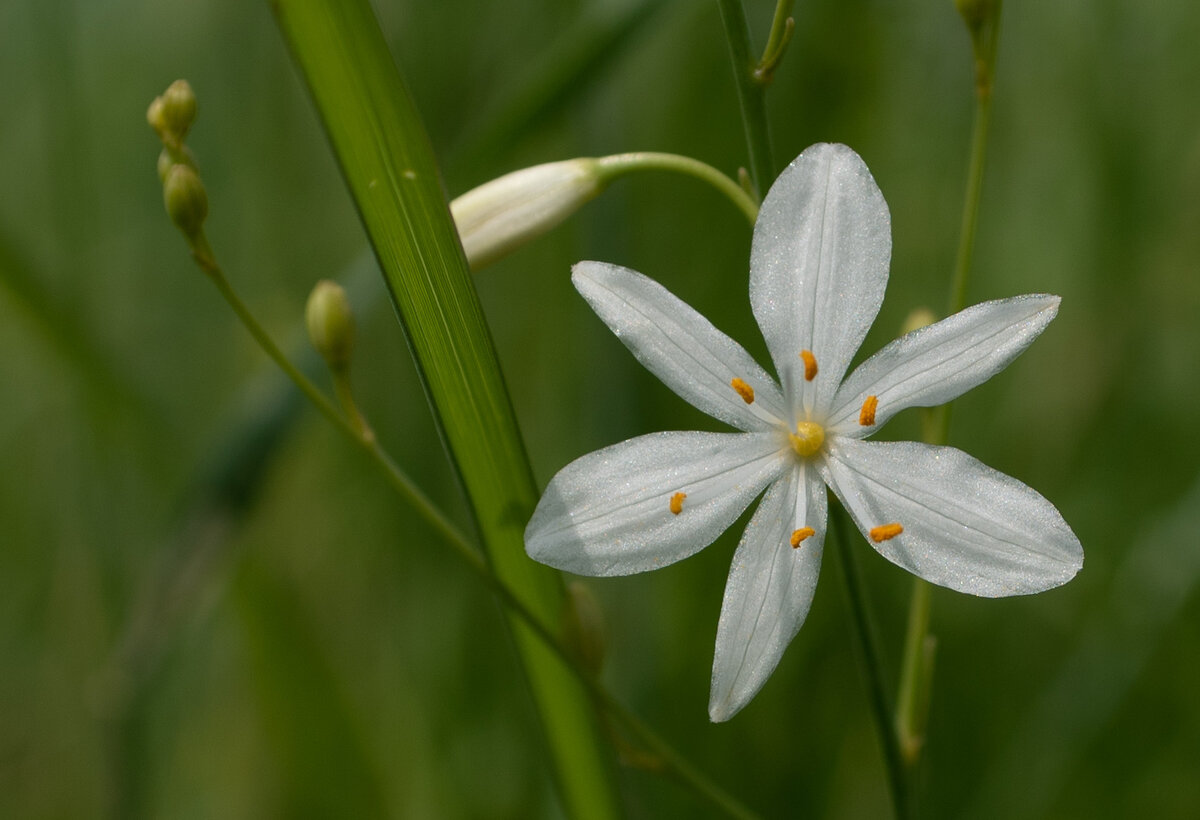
(810, 365)
(676, 504)
(884, 532)
(800, 534)
(744, 390)
(866, 416)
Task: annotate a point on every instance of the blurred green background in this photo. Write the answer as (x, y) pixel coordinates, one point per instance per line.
(210, 606)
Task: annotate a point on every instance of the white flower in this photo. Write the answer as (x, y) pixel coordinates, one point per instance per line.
(818, 269)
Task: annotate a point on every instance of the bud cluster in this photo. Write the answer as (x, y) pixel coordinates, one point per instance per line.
(171, 116)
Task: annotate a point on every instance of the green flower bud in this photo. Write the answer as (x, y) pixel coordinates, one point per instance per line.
(500, 216)
(169, 157)
(918, 319)
(171, 115)
(584, 632)
(330, 324)
(185, 198)
(154, 116)
(178, 108)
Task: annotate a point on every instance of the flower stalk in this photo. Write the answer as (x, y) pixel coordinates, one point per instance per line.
(751, 93)
(500, 216)
(982, 19)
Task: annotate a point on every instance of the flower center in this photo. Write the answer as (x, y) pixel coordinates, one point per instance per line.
(807, 439)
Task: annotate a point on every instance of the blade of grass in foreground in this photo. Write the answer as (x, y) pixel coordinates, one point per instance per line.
(389, 166)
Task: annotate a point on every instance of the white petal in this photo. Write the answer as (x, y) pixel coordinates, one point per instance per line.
(935, 364)
(609, 512)
(966, 526)
(769, 590)
(818, 268)
(501, 215)
(680, 346)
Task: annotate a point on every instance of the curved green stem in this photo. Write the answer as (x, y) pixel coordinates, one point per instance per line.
(619, 165)
(970, 216)
(916, 675)
(751, 94)
(203, 254)
(982, 18)
(983, 24)
(356, 427)
(868, 644)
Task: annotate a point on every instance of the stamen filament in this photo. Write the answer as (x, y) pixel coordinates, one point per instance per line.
(810, 365)
(885, 532)
(866, 416)
(676, 504)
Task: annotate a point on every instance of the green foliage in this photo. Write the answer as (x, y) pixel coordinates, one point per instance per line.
(124, 374)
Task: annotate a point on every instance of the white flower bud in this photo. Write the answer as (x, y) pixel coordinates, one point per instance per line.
(501, 215)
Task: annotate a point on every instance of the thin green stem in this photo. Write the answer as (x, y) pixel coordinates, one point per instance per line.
(982, 19)
(359, 430)
(345, 396)
(619, 165)
(868, 644)
(983, 24)
(782, 27)
(676, 764)
(203, 254)
(913, 698)
(360, 433)
(750, 93)
(970, 216)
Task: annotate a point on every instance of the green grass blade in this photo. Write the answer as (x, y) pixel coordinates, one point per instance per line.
(388, 163)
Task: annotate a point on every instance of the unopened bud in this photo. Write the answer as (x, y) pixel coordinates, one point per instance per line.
(172, 113)
(154, 115)
(918, 319)
(185, 198)
(179, 108)
(169, 157)
(330, 324)
(583, 627)
(501, 215)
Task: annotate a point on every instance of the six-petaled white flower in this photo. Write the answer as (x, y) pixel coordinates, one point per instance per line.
(818, 269)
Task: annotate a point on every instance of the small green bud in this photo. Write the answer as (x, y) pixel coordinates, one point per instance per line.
(500, 216)
(918, 319)
(185, 198)
(330, 324)
(584, 632)
(179, 108)
(172, 113)
(154, 115)
(169, 157)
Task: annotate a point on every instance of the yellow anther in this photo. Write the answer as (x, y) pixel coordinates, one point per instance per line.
(810, 365)
(744, 390)
(676, 504)
(884, 532)
(866, 416)
(800, 534)
(807, 439)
